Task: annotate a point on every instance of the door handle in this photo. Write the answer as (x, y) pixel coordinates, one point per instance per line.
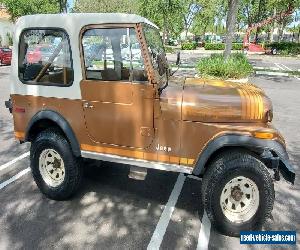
(87, 105)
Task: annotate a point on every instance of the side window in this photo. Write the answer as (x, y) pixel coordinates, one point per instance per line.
(113, 54)
(45, 57)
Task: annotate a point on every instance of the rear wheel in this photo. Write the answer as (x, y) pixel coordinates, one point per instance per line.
(238, 192)
(55, 169)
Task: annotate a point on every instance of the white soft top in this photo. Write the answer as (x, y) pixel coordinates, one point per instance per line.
(79, 19)
(72, 24)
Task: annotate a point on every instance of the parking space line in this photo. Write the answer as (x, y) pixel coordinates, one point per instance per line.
(280, 67)
(165, 217)
(8, 164)
(14, 178)
(290, 70)
(286, 67)
(204, 233)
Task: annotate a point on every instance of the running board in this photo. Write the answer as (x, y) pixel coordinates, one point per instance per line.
(137, 162)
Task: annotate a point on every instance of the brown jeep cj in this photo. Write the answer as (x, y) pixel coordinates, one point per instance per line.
(98, 86)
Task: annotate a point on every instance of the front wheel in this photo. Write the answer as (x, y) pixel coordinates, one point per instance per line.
(238, 193)
(55, 169)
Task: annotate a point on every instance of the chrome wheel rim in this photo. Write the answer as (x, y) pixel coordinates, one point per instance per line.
(239, 199)
(52, 168)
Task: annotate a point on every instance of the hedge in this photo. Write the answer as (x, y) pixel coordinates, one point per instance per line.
(284, 48)
(221, 46)
(188, 45)
(235, 67)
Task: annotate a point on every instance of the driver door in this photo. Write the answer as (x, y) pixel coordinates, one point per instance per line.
(116, 95)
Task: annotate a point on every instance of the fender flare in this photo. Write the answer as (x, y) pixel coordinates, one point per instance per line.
(61, 122)
(249, 142)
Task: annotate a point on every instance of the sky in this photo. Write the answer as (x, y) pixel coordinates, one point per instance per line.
(70, 3)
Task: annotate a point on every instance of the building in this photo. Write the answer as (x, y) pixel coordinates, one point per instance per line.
(6, 26)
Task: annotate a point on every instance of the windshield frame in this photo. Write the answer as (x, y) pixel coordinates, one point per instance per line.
(161, 78)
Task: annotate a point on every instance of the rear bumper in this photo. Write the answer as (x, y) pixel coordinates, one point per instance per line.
(9, 105)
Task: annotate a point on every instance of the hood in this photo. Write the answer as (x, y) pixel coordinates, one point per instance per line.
(216, 101)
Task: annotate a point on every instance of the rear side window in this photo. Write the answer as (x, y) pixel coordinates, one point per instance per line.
(45, 57)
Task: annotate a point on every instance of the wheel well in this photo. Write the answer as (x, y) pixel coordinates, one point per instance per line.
(42, 125)
(224, 149)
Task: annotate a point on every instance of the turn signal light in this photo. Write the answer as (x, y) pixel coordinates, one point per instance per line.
(263, 135)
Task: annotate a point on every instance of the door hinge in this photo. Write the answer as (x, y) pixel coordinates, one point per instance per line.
(145, 131)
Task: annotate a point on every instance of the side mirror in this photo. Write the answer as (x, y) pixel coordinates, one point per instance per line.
(178, 61)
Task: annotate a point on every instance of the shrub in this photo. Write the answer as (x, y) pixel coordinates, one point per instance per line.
(235, 67)
(285, 48)
(169, 49)
(188, 45)
(221, 46)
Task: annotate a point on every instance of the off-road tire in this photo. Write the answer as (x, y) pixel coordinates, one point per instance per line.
(52, 139)
(220, 171)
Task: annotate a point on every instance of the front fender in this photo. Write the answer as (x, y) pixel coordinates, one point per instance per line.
(253, 144)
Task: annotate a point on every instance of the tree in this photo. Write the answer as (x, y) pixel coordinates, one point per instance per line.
(17, 8)
(189, 14)
(210, 15)
(230, 25)
(124, 6)
(63, 6)
(167, 14)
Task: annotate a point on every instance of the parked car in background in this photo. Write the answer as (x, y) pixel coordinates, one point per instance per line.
(38, 54)
(5, 56)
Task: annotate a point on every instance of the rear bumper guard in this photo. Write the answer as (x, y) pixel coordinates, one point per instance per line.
(9, 105)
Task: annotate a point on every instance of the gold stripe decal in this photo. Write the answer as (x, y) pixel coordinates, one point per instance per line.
(138, 154)
(252, 106)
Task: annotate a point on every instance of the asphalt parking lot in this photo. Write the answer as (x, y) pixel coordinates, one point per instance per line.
(113, 212)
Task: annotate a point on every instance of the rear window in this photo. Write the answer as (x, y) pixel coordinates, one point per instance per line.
(45, 57)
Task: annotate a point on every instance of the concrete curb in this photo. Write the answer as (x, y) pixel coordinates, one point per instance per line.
(270, 73)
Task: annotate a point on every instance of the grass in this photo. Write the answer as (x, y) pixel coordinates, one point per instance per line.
(169, 49)
(236, 66)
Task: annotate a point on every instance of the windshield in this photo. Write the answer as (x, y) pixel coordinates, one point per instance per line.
(157, 53)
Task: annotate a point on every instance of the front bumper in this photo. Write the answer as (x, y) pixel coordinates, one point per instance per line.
(278, 160)
(287, 171)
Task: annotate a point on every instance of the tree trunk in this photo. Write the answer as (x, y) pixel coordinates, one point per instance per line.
(273, 27)
(258, 19)
(280, 32)
(256, 35)
(230, 24)
(164, 30)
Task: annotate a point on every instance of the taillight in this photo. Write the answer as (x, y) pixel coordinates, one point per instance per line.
(19, 110)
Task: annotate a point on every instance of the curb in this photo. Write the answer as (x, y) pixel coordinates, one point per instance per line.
(271, 73)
